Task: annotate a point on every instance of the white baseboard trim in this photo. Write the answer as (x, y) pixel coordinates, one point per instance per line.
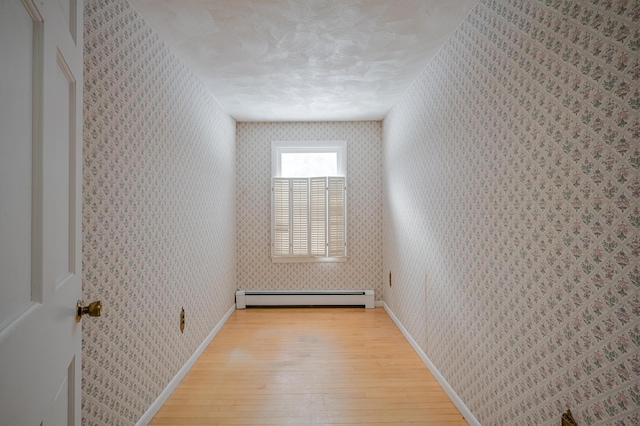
(464, 410)
(166, 393)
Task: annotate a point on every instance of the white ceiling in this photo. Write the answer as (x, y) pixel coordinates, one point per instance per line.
(305, 60)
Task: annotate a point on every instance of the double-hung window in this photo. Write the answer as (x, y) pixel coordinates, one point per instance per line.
(309, 201)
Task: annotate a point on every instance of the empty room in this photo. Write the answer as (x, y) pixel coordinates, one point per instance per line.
(320, 212)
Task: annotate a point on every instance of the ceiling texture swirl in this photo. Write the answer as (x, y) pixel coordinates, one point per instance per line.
(305, 60)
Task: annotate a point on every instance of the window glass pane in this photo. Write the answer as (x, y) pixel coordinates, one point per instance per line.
(308, 164)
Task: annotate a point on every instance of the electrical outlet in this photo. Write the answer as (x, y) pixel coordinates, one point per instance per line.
(568, 420)
(182, 321)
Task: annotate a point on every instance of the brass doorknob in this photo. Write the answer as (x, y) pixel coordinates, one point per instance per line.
(94, 310)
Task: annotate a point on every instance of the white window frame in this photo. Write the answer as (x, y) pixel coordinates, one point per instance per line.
(280, 147)
(277, 149)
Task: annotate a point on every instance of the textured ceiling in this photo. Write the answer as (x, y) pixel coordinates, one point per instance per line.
(305, 60)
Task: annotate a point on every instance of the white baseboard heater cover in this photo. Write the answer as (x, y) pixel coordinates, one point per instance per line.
(246, 298)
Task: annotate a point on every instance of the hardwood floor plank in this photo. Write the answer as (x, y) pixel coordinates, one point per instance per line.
(309, 366)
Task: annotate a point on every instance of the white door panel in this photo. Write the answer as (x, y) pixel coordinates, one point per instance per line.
(17, 27)
(40, 178)
(60, 177)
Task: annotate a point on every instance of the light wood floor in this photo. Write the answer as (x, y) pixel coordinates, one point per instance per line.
(309, 366)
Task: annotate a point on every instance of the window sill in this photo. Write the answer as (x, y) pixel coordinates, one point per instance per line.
(308, 259)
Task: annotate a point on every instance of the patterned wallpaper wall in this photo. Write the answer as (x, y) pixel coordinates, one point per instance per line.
(364, 208)
(158, 214)
(512, 211)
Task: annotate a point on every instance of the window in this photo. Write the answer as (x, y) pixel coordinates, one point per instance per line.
(308, 202)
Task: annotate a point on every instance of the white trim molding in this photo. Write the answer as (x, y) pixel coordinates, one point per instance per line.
(173, 384)
(464, 410)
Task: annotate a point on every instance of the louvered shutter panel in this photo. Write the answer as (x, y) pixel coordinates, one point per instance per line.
(309, 217)
(337, 237)
(318, 225)
(281, 217)
(300, 217)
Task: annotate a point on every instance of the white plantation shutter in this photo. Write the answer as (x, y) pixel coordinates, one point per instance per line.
(280, 217)
(318, 216)
(300, 217)
(309, 217)
(337, 238)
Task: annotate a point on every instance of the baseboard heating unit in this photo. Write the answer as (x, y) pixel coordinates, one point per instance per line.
(364, 298)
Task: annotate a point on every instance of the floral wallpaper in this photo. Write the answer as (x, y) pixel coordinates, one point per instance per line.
(158, 214)
(364, 208)
(512, 211)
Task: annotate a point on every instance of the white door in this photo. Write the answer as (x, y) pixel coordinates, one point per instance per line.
(40, 211)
